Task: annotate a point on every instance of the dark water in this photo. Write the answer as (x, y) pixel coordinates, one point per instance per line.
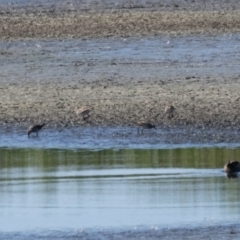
(119, 59)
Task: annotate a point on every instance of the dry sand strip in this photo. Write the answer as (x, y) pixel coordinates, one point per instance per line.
(118, 23)
(214, 103)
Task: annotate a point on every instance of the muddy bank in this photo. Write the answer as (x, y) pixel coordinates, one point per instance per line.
(199, 102)
(117, 23)
(230, 232)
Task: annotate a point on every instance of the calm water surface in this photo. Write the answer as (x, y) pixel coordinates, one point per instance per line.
(76, 188)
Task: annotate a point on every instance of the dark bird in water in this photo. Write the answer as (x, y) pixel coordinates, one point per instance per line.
(35, 128)
(232, 168)
(144, 125)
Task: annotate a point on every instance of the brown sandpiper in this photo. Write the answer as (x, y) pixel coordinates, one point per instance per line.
(84, 112)
(169, 110)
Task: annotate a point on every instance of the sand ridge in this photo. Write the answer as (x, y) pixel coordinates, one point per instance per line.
(116, 23)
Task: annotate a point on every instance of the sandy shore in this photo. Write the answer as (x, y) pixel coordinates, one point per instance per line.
(199, 103)
(116, 23)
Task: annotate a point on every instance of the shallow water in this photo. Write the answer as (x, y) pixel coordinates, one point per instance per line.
(98, 138)
(71, 189)
(99, 182)
(119, 59)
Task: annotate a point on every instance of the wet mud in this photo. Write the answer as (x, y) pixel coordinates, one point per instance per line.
(117, 24)
(44, 85)
(115, 102)
(230, 232)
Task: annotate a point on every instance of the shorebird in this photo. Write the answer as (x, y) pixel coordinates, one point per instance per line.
(232, 168)
(144, 125)
(84, 112)
(35, 128)
(169, 110)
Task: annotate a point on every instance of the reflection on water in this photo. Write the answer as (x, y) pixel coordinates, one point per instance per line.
(66, 189)
(53, 159)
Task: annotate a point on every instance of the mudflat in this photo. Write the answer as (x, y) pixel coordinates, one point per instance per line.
(200, 100)
(117, 24)
(116, 102)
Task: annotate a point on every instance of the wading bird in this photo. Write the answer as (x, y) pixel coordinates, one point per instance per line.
(232, 168)
(169, 110)
(144, 125)
(84, 112)
(35, 128)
